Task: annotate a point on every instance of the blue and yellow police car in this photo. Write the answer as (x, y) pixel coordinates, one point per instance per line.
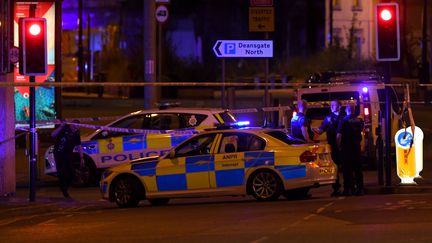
(261, 162)
(164, 129)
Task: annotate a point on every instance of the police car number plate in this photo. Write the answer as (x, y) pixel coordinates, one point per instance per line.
(326, 170)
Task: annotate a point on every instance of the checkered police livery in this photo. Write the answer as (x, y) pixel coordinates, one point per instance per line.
(222, 162)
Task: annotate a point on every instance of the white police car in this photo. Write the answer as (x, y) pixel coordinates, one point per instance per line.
(167, 128)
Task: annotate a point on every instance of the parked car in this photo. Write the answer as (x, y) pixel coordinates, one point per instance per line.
(106, 148)
(264, 163)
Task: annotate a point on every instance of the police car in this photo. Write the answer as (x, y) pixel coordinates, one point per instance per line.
(365, 89)
(166, 128)
(261, 162)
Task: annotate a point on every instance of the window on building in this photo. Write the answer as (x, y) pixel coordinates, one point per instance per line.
(336, 4)
(356, 5)
(337, 39)
(358, 43)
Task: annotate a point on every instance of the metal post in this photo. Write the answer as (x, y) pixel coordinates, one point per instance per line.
(380, 149)
(388, 125)
(32, 156)
(330, 23)
(223, 105)
(58, 56)
(159, 56)
(266, 80)
(89, 63)
(425, 75)
(33, 159)
(80, 41)
(150, 92)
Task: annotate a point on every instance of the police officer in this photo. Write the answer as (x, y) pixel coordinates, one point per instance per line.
(330, 125)
(349, 136)
(67, 137)
(301, 125)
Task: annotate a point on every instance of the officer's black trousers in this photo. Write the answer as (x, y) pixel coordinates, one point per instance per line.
(335, 155)
(65, 171)
(352, 168)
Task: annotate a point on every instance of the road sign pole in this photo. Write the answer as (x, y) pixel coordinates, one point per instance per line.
(223, 85)
(266, 94)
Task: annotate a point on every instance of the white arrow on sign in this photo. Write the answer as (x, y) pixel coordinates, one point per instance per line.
(243, 48)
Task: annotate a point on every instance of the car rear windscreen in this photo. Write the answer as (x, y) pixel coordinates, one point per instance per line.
(227, 117)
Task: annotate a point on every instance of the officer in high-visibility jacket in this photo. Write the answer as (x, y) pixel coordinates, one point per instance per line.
(349, 136)
(301, 125)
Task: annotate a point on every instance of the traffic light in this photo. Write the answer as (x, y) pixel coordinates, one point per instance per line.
(387, 32)
(32, 46)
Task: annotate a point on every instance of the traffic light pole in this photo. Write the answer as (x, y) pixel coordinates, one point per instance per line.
(388, 125)
(33, 137)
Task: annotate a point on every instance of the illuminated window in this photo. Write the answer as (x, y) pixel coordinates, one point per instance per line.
(337, 40)
(356, 5)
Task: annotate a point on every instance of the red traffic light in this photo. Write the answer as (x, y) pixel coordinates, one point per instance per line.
(32, 46)
(387, 32)
(385, 15)
(35, 29)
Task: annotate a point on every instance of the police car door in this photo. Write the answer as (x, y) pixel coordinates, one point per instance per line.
(229, 161)
(112, 147)
(188, 169)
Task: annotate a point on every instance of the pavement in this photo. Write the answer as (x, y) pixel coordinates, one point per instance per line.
(47, 190)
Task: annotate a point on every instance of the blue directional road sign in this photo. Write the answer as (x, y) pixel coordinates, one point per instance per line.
(243, 48)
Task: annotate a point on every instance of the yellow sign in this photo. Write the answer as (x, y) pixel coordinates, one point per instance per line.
(409, 154)
(261, 19)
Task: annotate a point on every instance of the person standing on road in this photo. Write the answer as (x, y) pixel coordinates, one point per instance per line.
(349, 136)
(301, 125)
(67, 137)
(330, 125)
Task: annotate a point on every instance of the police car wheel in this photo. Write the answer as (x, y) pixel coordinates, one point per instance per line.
(159, 201)
(84, 176)
(265, 185)
(126, 192)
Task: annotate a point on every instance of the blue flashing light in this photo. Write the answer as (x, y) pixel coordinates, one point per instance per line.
(365, 89)
(242, 123)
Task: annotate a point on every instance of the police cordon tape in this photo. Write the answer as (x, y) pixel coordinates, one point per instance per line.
(83, 119)
(12, 138)
(185, 84)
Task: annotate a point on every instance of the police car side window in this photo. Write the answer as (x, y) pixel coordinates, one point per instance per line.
(242, 142)
(191, 120)
(255, 143)
(197, 146)
(165, 121)
(134, 122)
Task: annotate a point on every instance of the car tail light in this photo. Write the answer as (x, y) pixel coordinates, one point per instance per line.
(308, 156)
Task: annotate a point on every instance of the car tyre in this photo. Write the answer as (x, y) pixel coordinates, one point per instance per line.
(158, 201)
(265, 185)
(126, 192)
(86, 175)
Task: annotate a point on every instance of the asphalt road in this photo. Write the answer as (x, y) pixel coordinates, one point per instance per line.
(370, 218)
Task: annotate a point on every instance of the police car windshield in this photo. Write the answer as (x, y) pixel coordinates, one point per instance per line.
(227, 117)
